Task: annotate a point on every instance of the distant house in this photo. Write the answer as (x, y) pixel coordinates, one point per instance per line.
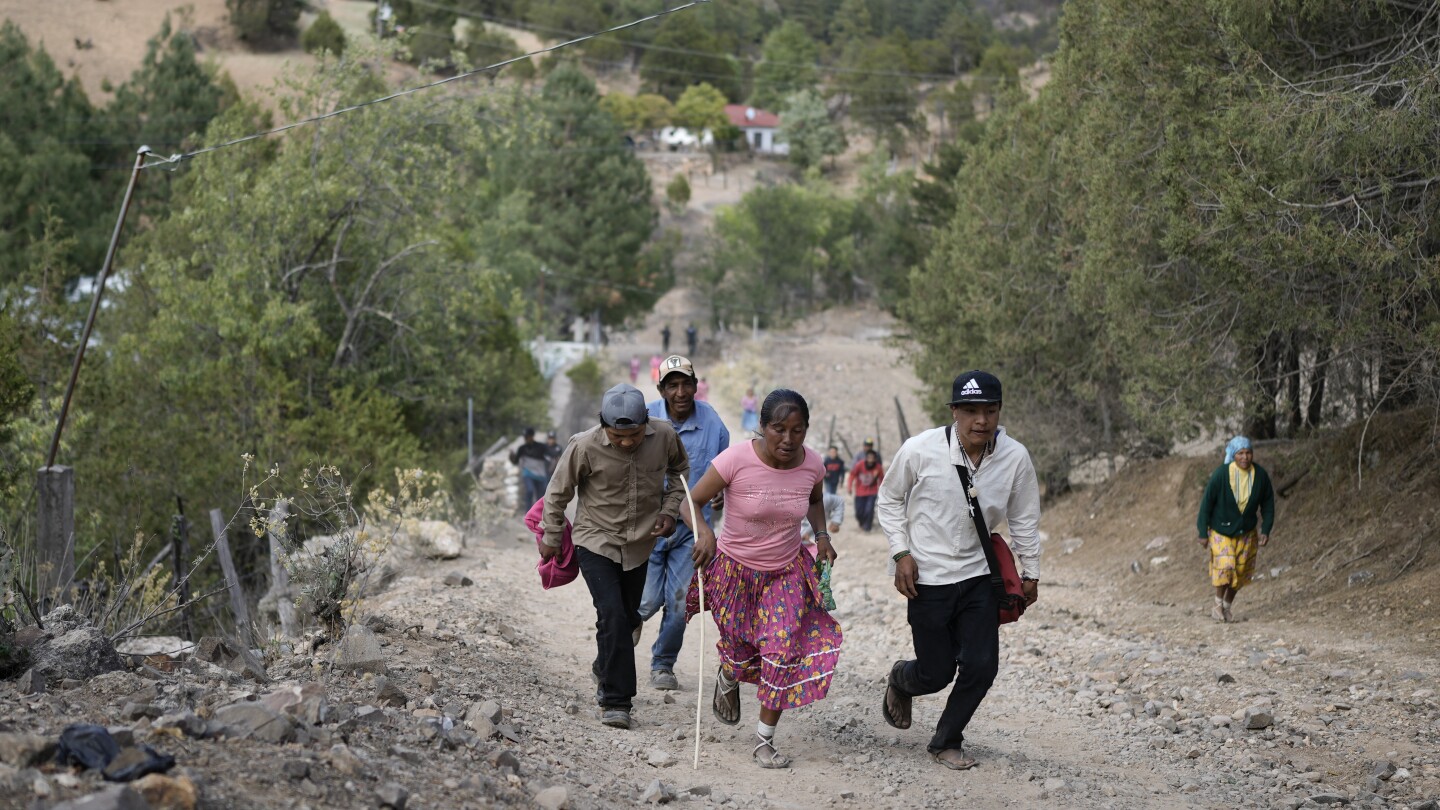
(680, 139)
(760, 128)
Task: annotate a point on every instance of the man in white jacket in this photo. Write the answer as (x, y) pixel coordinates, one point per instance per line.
(939, 563)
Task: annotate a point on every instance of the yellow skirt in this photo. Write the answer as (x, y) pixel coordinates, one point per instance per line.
(1232, 559)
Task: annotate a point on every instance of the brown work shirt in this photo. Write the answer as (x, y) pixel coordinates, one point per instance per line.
(621, 494)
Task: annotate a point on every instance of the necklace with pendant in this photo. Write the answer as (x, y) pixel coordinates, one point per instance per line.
(974, 468)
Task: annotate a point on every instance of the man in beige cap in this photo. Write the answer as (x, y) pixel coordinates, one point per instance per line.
(705, 436)
(626, 502)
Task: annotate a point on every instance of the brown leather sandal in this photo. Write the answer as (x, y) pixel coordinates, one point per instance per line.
(896, 707)
(726, 703)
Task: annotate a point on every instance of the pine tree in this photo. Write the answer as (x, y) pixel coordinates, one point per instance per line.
(53, 161)
(789, 58)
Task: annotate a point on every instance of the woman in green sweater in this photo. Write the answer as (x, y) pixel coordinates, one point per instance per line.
(1237, 512)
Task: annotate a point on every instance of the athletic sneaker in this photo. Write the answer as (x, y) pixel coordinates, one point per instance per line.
(615, 718)
(664, 679)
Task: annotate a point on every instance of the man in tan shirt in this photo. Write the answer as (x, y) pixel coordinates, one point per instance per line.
(626, 472)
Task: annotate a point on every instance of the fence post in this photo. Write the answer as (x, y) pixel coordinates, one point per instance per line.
(55, 535)
(180, 560)
(279, 577)
(900, 417)
(238, 605)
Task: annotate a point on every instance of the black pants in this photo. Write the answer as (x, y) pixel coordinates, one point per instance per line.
(616, 593)
(956, 628)
(865, 511)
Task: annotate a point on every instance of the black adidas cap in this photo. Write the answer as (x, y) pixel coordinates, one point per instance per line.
(975, 386)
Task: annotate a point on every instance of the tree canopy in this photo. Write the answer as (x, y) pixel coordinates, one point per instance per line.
(1215, 214)
(788, 65)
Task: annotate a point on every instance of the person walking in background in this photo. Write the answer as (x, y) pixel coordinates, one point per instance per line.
(864, 484)
(530, 457)
(655, 369)
(760, 580)
(834, 518)
(634, 369)
(552, 454)
(1238, 500)
(702, 391)
(749, 416)
(938, 561)
(864, 448)
(834, 469)
(626, 473)
(672, 563)
(692, 338)
(665, 339)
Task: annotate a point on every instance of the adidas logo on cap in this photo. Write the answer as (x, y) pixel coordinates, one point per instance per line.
(975, 386)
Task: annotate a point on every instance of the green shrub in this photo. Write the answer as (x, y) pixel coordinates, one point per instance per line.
(589, 381)
(484, 46)
(677, 193)
(265, 22)
(323, 35)
(430, 44)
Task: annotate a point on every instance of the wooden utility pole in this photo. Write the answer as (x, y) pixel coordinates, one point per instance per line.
(55, 535)
(180, 560)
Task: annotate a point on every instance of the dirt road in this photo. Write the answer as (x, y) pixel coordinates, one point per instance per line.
(1105, 698)
(1099, 703)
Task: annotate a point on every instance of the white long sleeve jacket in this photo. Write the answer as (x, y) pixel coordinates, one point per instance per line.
(922, 507)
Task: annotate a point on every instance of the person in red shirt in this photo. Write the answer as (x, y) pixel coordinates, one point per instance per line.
(864, 484)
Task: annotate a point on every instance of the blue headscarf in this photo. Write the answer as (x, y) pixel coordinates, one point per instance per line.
(1236, 445)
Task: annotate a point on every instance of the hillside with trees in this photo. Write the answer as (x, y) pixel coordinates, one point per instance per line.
(1203, 218)
(1213, 215)
(309, 296)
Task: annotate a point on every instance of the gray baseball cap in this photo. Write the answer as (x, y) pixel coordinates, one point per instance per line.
(623, 407)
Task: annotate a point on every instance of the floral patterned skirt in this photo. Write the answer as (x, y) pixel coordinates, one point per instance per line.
(774, 632)
(1232, 559)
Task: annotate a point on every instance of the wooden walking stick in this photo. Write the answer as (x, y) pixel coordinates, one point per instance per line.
(700, 668)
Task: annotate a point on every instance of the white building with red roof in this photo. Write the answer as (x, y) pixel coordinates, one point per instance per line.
(760, 128)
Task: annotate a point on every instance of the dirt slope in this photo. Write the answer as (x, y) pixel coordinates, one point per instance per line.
(1354, 550)
(117, 31)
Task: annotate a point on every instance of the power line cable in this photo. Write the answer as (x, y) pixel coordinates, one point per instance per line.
(600, 63)
(333, 113)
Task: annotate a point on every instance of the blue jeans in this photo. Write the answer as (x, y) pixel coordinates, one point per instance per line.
(533, 489)
(666, 582)
(865, 511)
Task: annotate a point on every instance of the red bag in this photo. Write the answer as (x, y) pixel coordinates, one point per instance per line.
(1012, 595)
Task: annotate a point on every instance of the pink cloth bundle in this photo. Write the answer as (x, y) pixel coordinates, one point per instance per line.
(563, 567)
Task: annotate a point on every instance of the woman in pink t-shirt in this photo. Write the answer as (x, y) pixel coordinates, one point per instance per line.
(760, 582)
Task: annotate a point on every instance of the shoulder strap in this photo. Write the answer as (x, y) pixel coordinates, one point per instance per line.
(978, 516)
